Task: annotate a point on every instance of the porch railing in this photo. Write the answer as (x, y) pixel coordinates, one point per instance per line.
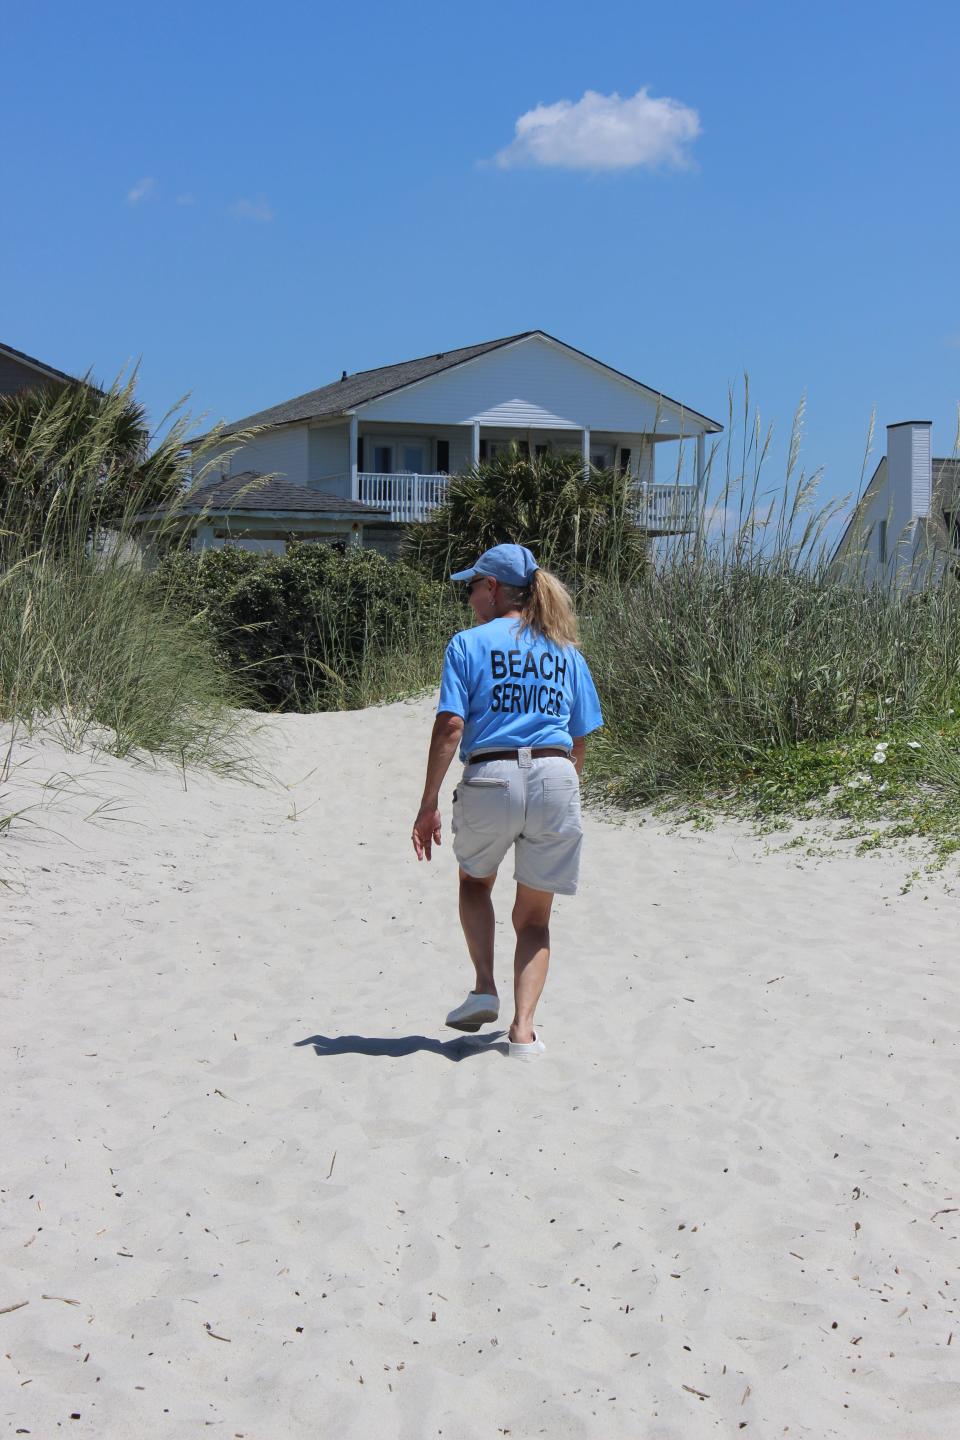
(667, 509)
(662, 509)
(404, 497)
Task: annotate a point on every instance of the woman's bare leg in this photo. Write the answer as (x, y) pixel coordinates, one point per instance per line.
(476, 917)
(531, 921)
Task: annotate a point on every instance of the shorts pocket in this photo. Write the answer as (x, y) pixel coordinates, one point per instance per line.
(483, 805)
(561, 805)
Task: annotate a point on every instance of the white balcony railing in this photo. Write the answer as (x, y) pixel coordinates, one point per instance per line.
(404, 497)
(662, 509)
(667, 509)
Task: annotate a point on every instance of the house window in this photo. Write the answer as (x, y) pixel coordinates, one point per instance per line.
(540, 451)
(602, 457)
(412, 459)
(625, 459)
(882, 542)
(443, 457)
(491, 448)
(383, 459)
(951, 518)
(360, 453)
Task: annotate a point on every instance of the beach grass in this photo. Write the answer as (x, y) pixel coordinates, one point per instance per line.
(738, 674)
(85, 648)
(741, 674)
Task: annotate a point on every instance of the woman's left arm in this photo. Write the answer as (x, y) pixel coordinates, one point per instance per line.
(447, 731)
(579, 752)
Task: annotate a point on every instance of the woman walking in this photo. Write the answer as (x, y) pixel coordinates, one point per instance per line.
(518, 699)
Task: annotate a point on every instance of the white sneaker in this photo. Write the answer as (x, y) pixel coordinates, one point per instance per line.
(527, 1052)
(475, 1011)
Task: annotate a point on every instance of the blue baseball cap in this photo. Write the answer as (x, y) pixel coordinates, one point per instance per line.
(510, 564)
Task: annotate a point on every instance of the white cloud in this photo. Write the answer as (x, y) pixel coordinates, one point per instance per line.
(604, 132)
(141, 190)
(246, 209)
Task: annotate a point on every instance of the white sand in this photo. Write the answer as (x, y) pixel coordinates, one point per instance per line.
(725, 1203)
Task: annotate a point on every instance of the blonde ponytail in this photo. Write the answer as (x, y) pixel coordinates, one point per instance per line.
(547, 609)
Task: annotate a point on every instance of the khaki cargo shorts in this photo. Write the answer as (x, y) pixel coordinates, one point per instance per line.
(499, 803)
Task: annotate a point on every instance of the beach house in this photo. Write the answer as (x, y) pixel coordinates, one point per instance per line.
(906, 524)
(373, 450)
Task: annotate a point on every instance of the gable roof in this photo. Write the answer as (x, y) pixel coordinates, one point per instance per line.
(48, 370)
(268, 497)
(366, 385)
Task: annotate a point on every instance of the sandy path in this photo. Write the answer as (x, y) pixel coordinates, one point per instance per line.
(289, 1203)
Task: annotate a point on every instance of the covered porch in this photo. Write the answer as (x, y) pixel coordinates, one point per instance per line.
(403, 470)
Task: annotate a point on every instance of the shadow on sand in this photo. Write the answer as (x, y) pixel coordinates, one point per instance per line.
(460, 1049)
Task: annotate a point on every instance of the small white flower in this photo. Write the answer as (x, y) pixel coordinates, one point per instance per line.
(883, 744)
(951, 711)
(914, 744)
(888, 699)
(853, 784)
(879, 757)
(882, 786)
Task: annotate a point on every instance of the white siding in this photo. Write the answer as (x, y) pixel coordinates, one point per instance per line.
(531, 384)
(644, 463)
(213, 465)
(921, 471)
(329, 468)
(276, 452)
(885, 520)
(861, 544)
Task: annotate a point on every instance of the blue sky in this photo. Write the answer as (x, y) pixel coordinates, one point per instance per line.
(251, 198)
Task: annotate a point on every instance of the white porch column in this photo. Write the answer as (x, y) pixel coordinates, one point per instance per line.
(475, 443)
(352, 451)
(586, 450)
(701, 461)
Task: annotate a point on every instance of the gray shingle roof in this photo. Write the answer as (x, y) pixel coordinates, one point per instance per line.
(268, 496)
(366, 385)
(42, 365)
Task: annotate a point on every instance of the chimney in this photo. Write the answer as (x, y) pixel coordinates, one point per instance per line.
(909, 472)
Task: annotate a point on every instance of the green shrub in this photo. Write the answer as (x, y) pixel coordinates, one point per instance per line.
(316, 628)
(579, 523)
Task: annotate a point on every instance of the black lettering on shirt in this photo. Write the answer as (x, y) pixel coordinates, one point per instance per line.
(508, 696)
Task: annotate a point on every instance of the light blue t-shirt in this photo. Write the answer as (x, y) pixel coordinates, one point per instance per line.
(516, 689)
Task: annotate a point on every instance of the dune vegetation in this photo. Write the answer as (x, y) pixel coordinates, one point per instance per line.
(738, 674)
